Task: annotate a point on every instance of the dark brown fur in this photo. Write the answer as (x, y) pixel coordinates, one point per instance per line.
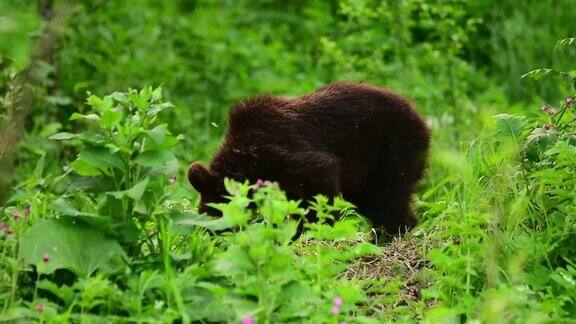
(347, 138)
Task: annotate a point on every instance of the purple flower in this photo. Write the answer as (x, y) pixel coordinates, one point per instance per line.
(46, 257)
(338, 301)
(552, 111)
(335, 310)
(172, 180)
(260, 183)
(549, 109)
(16, 214)
(5, 227)
(247, 320)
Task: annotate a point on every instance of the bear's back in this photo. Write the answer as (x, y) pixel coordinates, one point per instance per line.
(343, 118)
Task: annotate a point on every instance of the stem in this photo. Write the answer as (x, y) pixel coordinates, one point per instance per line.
(21, 94)
(561, 115)
(36, 286)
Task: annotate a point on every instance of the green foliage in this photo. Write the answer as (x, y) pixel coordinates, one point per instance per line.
(116, 217)
(124, 161)
(16, 23)
(52, 245)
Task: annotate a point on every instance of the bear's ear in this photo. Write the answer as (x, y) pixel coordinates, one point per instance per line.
(200, 177)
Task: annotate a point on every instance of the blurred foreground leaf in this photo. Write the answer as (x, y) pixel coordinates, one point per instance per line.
(57, 244)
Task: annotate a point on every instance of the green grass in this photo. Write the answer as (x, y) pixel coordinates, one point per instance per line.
(496, 238)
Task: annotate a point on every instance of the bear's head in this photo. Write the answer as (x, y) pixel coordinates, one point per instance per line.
(209, 185)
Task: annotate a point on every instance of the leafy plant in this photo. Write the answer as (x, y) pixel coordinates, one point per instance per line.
(124, 162)
(272, 278)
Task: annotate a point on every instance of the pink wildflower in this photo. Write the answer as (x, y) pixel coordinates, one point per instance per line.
(16, 214)
(247, 320)
(40, 307)
(549, 109)
(46, 257)
(338, 301)
(335, 310)
(5, 227)
(569, 101)
(260, 183)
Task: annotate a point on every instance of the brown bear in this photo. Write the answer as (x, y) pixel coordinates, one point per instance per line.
(353, 139)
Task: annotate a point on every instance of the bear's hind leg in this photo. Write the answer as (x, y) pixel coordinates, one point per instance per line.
(388, 206)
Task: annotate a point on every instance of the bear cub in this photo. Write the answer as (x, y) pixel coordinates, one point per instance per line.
(353, 139)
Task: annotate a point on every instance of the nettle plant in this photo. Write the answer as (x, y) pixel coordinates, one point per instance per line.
(246, 265)
(125, 159)
(540, 140)
(268, 275)
(561, 125)
(117, 185)
(547, 147)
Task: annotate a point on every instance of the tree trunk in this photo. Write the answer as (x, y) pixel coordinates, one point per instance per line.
(20, 97)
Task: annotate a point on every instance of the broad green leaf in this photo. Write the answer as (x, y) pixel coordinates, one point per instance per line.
(137, 100)
(135, 192)
(235, 261)
(157, 94)
(111, 118)
(298, 296)
(299, 291)
(78, 248)
(61, 205)
(510, 125)
(92, 138)
(64, 207)
(120, 97)
(209, 223)
(170, 141)
(100, 105)
(366, 248)
(62, 136)
(145, 93)
(154, 158)
(158, 133)
(538, 142)
(65, 293)
(350, 293)
(84, 169)
(157, 108)
(115, 148)
(100, 158)
(94, 101)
